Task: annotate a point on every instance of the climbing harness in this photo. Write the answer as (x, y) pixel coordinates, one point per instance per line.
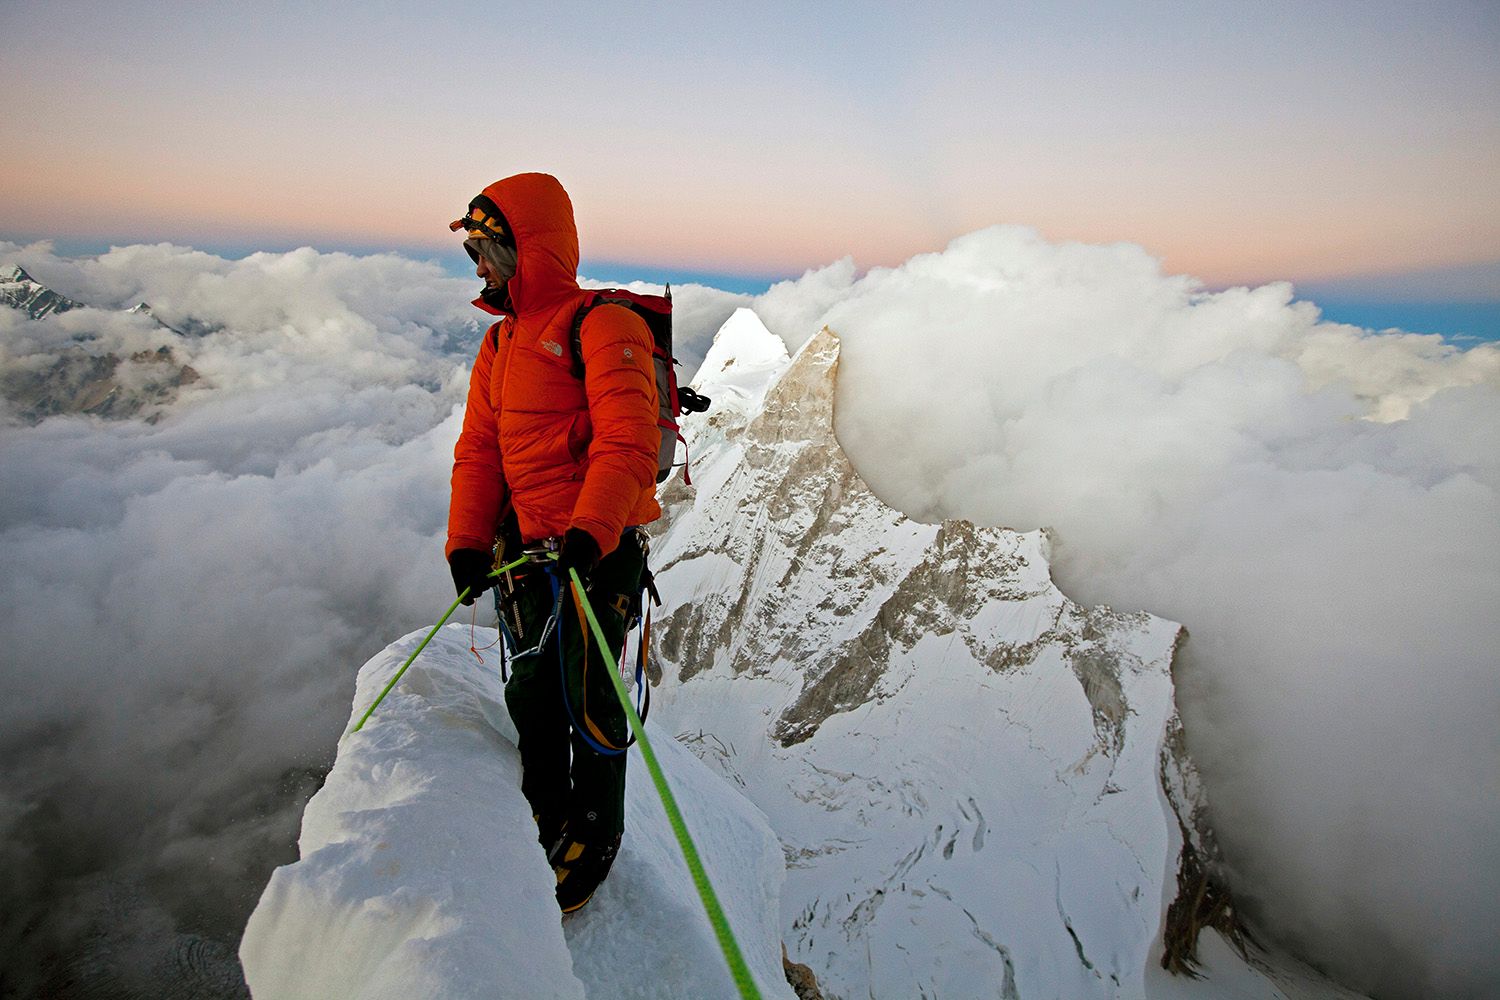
(516, 644)
(592, 734)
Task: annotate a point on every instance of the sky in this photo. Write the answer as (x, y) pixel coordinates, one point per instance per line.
(1351, 148)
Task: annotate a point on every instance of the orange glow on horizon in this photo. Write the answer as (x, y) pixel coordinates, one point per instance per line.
(720, 224)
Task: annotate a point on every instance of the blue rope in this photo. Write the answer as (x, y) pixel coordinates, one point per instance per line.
(562, 675)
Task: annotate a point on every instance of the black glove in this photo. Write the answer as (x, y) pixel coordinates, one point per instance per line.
(471, 570)
(579, 551)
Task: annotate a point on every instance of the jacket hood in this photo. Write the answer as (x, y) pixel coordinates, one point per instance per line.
(540, 215)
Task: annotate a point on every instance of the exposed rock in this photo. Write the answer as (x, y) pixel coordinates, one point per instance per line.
(1203, 898)
(101, 385)
(801, 978)
(20, 290)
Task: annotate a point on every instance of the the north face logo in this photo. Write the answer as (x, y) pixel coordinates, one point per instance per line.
(629, 354)
(553, 346)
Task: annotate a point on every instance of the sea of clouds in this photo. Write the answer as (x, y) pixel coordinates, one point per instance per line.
(184, 603)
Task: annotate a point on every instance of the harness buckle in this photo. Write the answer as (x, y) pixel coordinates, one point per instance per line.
(543, 549)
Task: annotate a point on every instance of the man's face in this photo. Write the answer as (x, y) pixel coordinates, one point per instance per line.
(484, 269)
(493, 261)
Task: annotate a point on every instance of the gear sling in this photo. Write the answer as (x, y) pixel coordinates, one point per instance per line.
(630, 606)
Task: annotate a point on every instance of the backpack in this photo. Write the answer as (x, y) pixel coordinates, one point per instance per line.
(672, 400)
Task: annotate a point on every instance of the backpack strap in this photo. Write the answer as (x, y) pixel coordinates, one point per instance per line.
(575, 339)
(669, 423)
(602, 297)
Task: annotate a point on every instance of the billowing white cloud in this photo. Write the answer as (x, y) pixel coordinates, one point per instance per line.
(184, 603)
(1318, 504)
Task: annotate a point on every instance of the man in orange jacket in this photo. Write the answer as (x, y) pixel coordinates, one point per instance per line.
(548, 459)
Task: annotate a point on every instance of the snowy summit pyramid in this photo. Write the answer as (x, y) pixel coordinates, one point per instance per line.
(976, 782)
(20, 290)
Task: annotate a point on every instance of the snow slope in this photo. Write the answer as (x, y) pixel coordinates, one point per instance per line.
(420, 875)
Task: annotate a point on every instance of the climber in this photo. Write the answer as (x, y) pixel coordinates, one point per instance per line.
(565, 468)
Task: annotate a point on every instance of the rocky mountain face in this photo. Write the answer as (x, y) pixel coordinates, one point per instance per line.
(84, 375)
(20, 290)
(101, 385)
(979, 785)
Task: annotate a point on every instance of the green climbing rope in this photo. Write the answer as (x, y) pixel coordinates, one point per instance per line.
(446, 615)
(731, 948)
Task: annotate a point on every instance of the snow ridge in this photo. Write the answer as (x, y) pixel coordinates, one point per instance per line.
(420, 874)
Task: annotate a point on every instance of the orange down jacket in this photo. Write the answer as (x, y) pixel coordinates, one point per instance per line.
(563, 452)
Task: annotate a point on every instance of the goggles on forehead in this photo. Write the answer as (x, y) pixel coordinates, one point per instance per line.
(480, 225)
(476, 228)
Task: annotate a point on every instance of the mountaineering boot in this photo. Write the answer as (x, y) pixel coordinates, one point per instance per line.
(580, 867)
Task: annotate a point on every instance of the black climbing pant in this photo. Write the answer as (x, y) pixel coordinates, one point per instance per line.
(564, 778)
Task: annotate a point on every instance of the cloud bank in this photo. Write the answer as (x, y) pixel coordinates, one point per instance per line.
(1318, 504)
(185, 603)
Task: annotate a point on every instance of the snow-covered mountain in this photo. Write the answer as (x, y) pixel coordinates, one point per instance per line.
(978, 784)
(940, 776)
(20, 290)
(78, 371)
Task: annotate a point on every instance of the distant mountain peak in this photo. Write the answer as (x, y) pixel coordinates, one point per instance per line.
(20, 290)
(90, 375)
